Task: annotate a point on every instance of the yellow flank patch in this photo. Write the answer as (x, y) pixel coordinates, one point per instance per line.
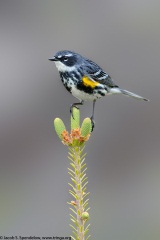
(89, 82)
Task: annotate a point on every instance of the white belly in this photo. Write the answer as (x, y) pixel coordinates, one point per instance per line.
(85, 96)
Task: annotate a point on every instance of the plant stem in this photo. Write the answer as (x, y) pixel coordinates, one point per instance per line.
(75, 140)
(79, 193)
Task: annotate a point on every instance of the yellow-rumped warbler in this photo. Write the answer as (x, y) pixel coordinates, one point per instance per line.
(85, 80)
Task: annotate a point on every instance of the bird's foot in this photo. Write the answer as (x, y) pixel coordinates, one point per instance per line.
(75, 105)
(71, 109)
(93, 123)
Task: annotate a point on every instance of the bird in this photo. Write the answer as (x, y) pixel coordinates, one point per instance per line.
(86, 80)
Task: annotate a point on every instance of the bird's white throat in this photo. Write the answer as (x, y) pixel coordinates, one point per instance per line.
(63, 68)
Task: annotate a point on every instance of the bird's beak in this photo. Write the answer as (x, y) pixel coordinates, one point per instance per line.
(53, 59)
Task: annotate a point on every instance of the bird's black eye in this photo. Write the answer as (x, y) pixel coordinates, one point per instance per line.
(65, 58)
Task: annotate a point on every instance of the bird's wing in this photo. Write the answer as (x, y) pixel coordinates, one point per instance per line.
(98, 75)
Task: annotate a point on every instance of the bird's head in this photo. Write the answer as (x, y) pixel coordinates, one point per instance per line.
(66, 60)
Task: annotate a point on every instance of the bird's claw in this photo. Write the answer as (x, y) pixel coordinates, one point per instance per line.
(71, 109)
(93, 123)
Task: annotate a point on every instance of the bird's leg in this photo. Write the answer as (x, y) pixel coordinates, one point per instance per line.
(92, 117)
(75, 105)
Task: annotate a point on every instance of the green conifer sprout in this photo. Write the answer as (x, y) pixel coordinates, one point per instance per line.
(86, 127)
(59, 127)
(75, 120)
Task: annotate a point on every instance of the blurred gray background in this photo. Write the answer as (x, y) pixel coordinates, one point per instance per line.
(123, 157)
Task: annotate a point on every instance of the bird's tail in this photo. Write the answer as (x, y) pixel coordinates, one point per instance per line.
(127, 93)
